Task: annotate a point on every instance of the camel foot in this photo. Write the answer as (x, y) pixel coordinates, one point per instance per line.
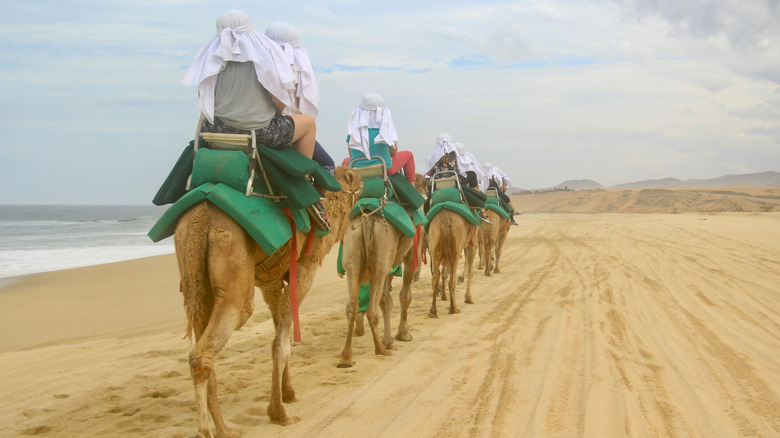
(496, 271)
(289, 398)
(406, 337)
(201, 435)
(454, 311)
(228, 434)
(345, 365)
(286, 421)
(469, 301)
(432, 315)
(383, 352)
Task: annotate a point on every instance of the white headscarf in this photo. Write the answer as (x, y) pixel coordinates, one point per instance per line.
(468, 162)
(236, 40)
(443, 147)
(307, 95)
(371, 113)
(493, 172)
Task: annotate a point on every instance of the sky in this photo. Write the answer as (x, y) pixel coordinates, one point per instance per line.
(92, 109)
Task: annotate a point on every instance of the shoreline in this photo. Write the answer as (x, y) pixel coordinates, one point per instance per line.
(50, 308)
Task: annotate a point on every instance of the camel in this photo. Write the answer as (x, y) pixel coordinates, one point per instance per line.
(371, 247)
(491, 241)
(220, 264)
(449, 233)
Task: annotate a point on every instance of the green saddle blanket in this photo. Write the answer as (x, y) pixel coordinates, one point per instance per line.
(458, 207)
(262, 218)
(492, 204)
(222, 177)
(401, 218)
(287, 169)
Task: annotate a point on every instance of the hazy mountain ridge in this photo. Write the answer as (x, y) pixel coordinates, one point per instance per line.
(763, 179)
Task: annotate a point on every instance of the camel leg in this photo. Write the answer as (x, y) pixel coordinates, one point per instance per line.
(435, 279)
(445, 275)
(288, 393)
(451, 284)
(469, 272)
(481, 246)
(360, 328)
(499, 248)
(353, 288)
(224, 320)
(277, 414)
(405, 297)
(378, 288)
(386, 304)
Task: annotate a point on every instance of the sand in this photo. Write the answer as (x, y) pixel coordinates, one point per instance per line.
(599, 325)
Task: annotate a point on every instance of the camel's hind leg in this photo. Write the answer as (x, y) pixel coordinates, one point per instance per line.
(379, 288)
(405, 298)
(453, 266)
(281, 389)
(386, 304)
(469, 272)
(353, 288)
(435, 281)
(227, 315)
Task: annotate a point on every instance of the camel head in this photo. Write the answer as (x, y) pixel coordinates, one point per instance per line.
(339, 204)
(421, 184)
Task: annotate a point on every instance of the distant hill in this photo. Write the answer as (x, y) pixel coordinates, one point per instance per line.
(580, 184)
(765, 179)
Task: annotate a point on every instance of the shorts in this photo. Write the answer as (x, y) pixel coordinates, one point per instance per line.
(277, 135)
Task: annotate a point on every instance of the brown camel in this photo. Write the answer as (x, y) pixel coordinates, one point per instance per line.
(220, 264)
(491, 240)
(449, 233)
(371, 247)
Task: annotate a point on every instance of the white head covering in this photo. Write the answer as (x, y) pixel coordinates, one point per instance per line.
(236, 40)
(493, 172)
(468, 162)
(307, 95)
(443, 147)
(371, 113)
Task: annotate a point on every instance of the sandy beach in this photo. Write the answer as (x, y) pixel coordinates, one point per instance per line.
(600, 324)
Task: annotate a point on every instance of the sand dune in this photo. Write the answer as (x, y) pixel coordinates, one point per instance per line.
(675, 200)
(599, 325)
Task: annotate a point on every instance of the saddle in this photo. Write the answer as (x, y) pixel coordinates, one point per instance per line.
(493, 202)
(257, 186)
(447, 193)
(390, 196)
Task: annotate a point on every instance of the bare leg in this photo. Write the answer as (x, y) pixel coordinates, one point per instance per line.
(305, 134)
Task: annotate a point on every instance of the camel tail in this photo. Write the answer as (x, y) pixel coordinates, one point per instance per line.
(194, 269)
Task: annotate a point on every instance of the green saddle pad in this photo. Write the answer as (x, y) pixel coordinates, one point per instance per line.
(262, 218)
(458, 207)
(405, 192)
(393, 212)
(497, 208)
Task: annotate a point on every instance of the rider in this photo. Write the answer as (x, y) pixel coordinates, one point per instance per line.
(500, 181)
(371, 132)
(307, 95)
(245, 83)
(445, 157)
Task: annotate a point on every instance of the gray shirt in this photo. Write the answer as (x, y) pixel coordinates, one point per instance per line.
(240, 100)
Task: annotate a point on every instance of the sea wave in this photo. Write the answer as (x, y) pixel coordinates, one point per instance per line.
(24, 262)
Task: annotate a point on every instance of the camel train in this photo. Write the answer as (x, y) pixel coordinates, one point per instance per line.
(257, 203)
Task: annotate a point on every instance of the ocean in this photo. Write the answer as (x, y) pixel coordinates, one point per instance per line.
(42, 238)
